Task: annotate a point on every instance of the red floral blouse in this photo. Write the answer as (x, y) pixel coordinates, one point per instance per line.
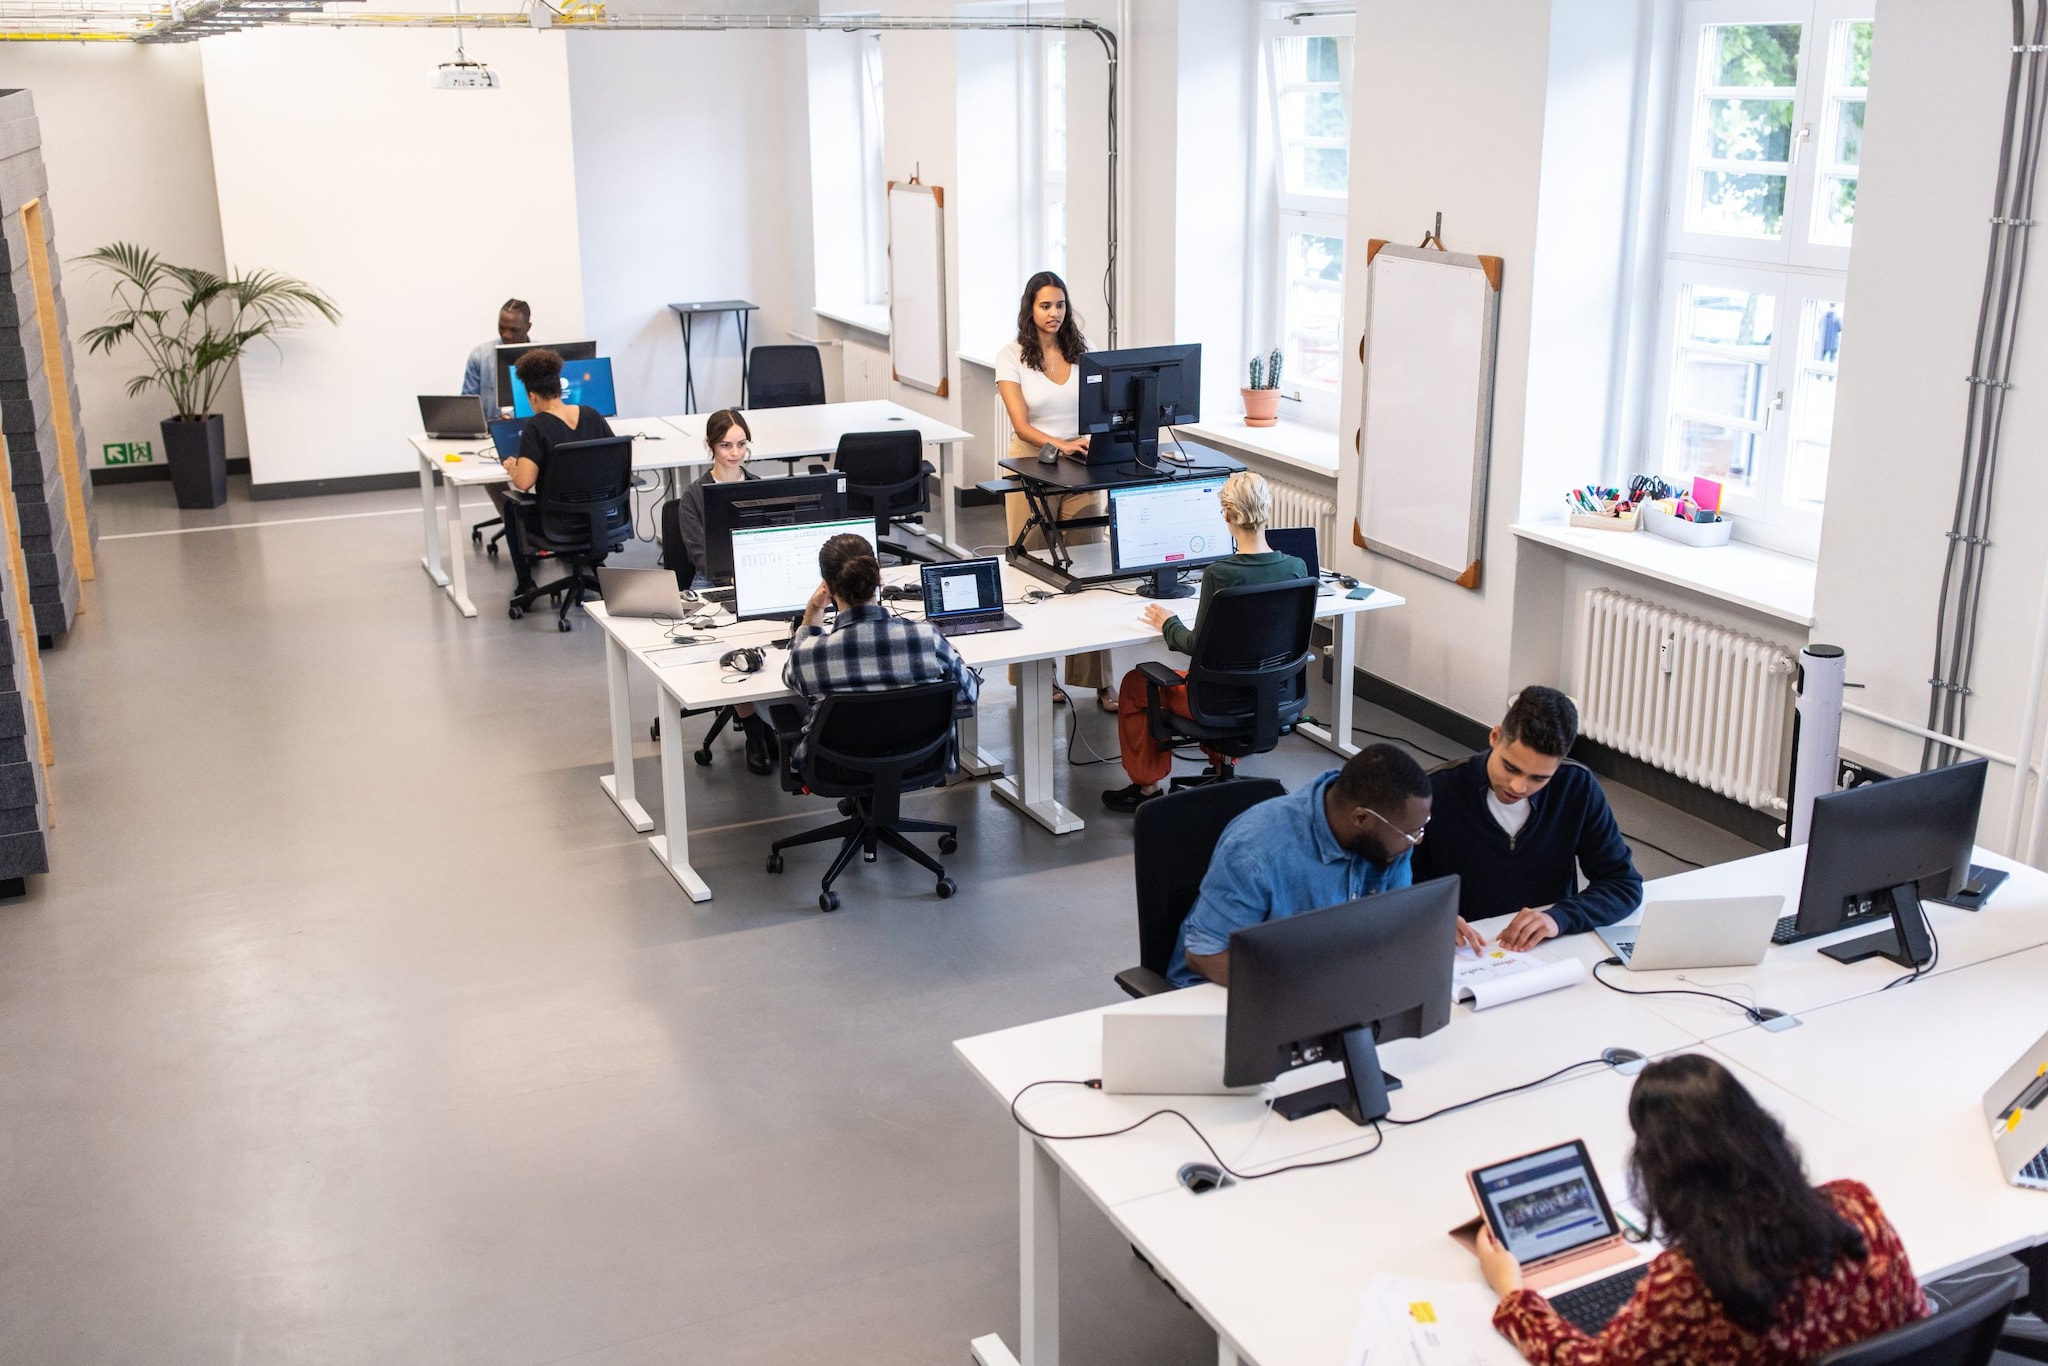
(1673, 1317)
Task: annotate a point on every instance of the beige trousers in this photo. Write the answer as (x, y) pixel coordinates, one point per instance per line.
(1083, 671)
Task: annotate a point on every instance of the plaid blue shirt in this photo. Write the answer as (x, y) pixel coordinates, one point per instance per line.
(870, 650)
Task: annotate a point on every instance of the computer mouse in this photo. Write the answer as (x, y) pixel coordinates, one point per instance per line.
(1048, 454)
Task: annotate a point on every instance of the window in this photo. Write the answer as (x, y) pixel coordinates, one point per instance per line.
(874, 197)
(1309, 82)
(851, 266)
(1053, 189)
(1757, 247)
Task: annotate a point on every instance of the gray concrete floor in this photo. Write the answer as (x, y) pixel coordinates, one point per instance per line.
(353, 1025)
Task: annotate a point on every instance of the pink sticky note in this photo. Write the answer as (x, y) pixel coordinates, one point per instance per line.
(1707, 493)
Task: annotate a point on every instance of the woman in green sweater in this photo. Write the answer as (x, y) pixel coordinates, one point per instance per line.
(1247, 507)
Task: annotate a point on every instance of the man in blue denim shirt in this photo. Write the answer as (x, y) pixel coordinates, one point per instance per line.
(1343, 836)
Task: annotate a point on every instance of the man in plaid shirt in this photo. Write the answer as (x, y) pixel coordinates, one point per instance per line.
(868, 648)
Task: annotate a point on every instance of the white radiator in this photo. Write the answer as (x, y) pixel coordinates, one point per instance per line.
(1000, 442)
(1711, 705)
(1294, 505)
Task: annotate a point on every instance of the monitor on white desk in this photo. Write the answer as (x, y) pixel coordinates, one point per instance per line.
(1160, 529)
(775, 568)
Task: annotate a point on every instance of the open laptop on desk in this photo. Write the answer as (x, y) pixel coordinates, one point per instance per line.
(965, 598)
(1710, 932)
(2019, 1119)
(452, 417)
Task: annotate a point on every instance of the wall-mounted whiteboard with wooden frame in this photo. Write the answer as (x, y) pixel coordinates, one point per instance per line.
(917, 285)
(1426, 420)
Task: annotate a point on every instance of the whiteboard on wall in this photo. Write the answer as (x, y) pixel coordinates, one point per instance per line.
(917, 286)
(1426, 419)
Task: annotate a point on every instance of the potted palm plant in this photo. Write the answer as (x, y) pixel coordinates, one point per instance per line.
(192, 326)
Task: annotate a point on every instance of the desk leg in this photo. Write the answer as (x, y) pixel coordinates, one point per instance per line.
(1337, 738)
(431, 513)
(975, 762)
(619, 784)
(689, 371)
(1038, 1263)
(458, 558)
(1035, 728)
(672, 846)
(951, 482)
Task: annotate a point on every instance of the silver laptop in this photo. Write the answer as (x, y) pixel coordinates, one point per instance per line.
(640, 593)
(453, 417)
(1167, 1046)
(2016, 1107)
(1711, 932)
(965, 598)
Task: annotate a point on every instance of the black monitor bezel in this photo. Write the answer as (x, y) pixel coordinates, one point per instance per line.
(718, 525)
(584, 349)
(1842, 845)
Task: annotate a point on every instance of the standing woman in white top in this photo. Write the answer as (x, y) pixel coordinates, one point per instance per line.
(1038, 378)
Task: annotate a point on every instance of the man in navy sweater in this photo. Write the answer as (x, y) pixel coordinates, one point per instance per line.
(1513, 821)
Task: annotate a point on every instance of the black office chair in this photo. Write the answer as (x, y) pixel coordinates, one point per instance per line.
(579, 512)
(1962, 1332)
(784, 377)
(1172, 840)
(887, 478)
(1247, 681)
(868, 749)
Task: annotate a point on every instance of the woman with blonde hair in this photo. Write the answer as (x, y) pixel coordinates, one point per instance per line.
(1247, 507)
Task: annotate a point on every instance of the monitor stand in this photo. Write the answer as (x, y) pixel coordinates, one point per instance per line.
(1165, 583)
(1906, 943)
(1360, 1095)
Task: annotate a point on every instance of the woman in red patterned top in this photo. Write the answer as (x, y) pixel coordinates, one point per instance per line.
(1759, 1268)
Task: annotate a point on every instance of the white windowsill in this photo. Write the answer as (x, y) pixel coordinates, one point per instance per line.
(1313, 449)
(1765, 581)
(968, 358)
(867, 317)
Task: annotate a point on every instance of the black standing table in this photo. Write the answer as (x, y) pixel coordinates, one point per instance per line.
(742, 312)
(1069, 568)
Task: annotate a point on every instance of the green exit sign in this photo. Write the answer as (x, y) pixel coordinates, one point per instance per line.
(127, 453)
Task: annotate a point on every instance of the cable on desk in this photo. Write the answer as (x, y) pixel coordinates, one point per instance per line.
(1756, 1014)
(1919, 970)
(1378, 1135)
(1675, 858)
(1496, 1095)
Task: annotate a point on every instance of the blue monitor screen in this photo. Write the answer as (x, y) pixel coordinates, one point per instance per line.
(585, 383)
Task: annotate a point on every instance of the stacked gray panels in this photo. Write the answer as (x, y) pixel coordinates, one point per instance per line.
(26, 414)
(24, 815)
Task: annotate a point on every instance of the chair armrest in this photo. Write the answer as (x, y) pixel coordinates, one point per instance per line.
(929, 468)
(1143, 982)
(1163, 675)
(523, 497)
(787, 719)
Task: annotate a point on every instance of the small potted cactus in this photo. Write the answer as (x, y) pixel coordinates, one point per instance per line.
(1262, 398)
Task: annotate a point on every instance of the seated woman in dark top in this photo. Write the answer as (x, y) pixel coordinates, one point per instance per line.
(1758, 1269)
(554, 423)
(730, 441)
(1247, 507)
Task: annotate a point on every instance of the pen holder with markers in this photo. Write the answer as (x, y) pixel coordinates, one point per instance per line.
(1601, 509)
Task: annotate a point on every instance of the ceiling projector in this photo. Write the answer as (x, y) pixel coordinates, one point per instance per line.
(464, 75)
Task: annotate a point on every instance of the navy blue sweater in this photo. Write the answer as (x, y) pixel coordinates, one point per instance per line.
(1569, 822)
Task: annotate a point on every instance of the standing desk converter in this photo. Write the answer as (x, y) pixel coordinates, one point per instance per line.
(1067, 567)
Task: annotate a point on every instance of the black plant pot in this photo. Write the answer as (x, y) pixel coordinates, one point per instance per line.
(198, 456)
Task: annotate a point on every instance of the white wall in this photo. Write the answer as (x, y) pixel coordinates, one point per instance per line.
(920, 135)
(691, 182)
(1216, 120)
(124, 140)
(418, 210)
(1448, 114)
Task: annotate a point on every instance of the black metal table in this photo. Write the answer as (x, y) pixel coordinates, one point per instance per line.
(741, 311)
(1042, 485)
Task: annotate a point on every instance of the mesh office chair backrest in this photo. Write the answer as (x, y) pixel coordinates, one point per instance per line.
(1172, 841)
(885, 475)
(857, 741)
(1250, 662)
(1963, 1332)
(584, 493)
(784, 377)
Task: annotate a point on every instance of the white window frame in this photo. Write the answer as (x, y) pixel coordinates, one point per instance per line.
(1321, 215)
(1793, 268)
(1045, 182)
(874, 196)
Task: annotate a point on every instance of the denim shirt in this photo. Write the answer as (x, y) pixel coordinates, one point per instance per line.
(1277, 859)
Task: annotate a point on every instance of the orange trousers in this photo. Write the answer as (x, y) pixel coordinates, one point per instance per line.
(1145, 759)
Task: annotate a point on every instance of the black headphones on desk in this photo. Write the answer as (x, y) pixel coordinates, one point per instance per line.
(750, 659)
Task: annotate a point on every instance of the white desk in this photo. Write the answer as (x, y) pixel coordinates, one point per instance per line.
(1063, 624)
(1882, 1086)
(472, 462)
(815, 429)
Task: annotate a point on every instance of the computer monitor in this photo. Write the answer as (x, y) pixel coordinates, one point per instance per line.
(788, 501)
(1331, 985)
(585, 383)
(1160, 529)
(1892, 843)
(508, 356)
(1126, 396)
(775, 568)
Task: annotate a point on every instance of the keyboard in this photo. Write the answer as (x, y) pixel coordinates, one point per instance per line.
(2035, 1173)
(974, 626)
(1590, 1307)
(1624, 949)
(1788, 926)
(714, 595)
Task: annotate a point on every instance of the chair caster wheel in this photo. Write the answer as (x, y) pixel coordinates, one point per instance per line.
(476, 538)
(847, 806)
(702, 756)
(563, 624)
(828, 901)
(947, 844)
(947, 887)
(492, 551)
(515, 612)
(775, 863)
(867, 855)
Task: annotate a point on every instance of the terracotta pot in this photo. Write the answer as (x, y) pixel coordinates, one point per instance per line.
(1261, 407)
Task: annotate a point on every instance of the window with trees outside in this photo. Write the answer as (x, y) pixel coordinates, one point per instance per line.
(1766, 145)
(1308, 71)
